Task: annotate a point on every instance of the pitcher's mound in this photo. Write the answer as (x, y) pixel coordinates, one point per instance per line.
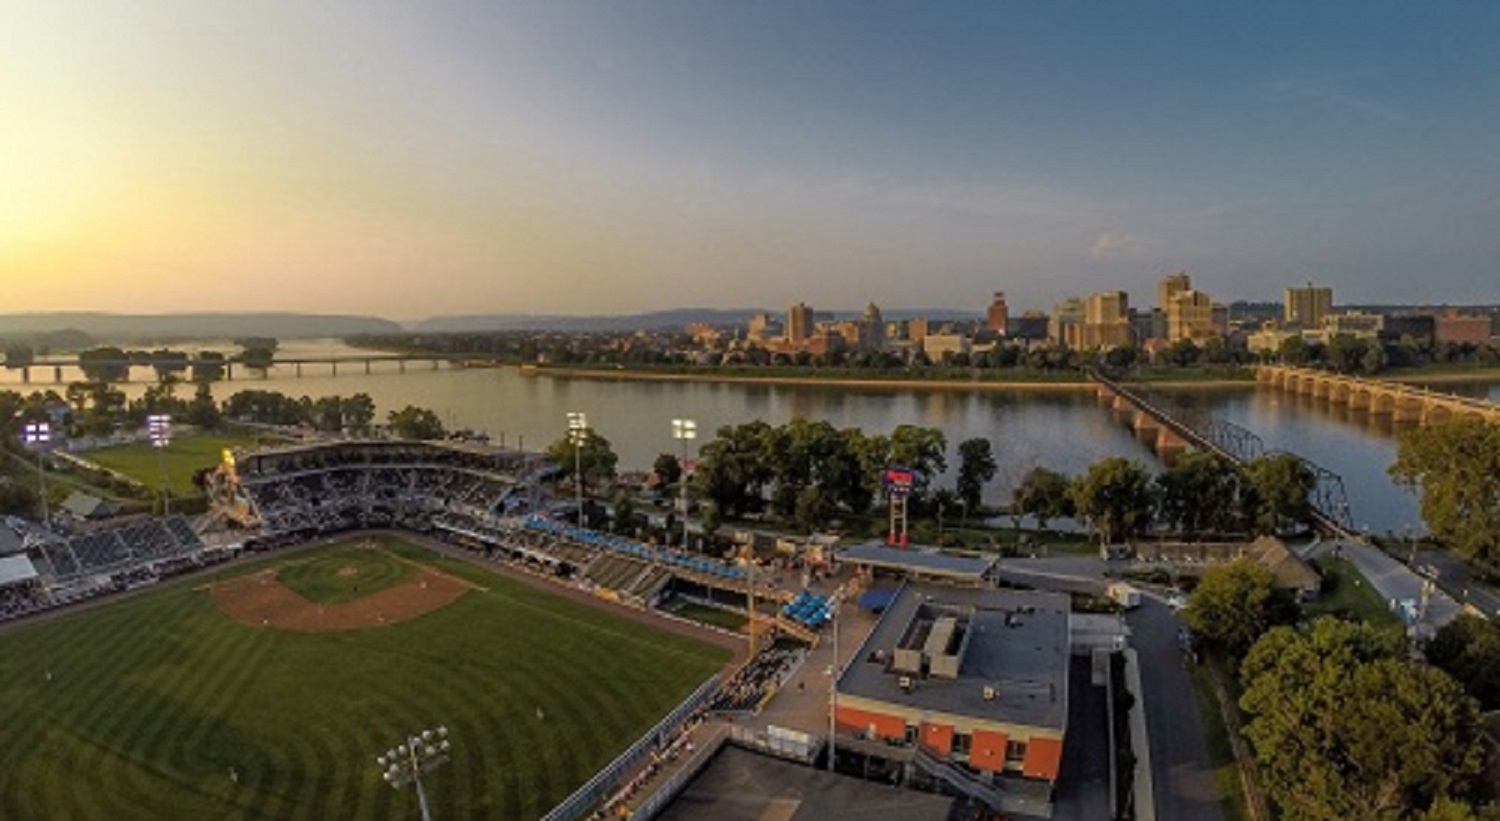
(260, 600)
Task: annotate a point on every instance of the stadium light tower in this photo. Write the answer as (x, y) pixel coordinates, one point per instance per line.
(159, 429)
(406, 762)
(684, 431)
(578, 434)
(37, 436)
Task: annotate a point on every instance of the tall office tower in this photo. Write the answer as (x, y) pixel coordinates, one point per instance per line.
(799, 322)
(1306, 307)
(1170, 287)
(1190, 316)
(998, 319)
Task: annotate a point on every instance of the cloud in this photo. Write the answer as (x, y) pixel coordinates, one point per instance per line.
(1334, 92)
(1115, 244)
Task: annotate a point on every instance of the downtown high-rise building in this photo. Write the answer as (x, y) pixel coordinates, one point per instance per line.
(799, 322)
(1170, 287)
(997, 319)
(1306, 307)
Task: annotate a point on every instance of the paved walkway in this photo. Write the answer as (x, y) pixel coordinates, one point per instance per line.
(1394, 580)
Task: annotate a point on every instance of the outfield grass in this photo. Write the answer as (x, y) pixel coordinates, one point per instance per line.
(151, 700)
(346, 572)
(183, 457)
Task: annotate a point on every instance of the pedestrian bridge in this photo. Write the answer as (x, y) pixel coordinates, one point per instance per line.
(1403, 403)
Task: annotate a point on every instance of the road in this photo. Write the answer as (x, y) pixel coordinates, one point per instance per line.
(1182, 774)
(1454, 575)
(1394, 580)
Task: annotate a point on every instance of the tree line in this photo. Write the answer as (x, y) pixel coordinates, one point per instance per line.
(1199, 494)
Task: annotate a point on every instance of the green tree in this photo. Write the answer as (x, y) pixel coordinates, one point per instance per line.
(1455, 469)
(1043, 494)
(1468, 648)
(104, 364)
(1115, 497)
(208, 366)
(203, 411)
(667, 469)
(732, 470)
(594, 455)
(813, 508)
(412, 422)
(624, 520)
(17, 499)
(359, 412)
(1294, 350)
(1200, 493)
(1343, 727)
(1236, 603)
(976, 467)
(1281, 491)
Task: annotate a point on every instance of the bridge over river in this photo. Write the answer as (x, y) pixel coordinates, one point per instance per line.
(329, 364)
(1403, 403)
(1171, 429)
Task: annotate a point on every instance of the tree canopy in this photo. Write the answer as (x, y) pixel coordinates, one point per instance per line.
(1044, 494)
(412, 422)
(976, 467)
(1236, 603)
(1468, 648)
(594, 455)
(1115, 497)
(1343, 727)
(1455, 469)
(1282, 486)
(1201, 493)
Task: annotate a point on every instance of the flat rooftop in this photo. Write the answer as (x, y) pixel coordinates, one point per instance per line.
(1016, 642)
(739, 785)
(931, 563)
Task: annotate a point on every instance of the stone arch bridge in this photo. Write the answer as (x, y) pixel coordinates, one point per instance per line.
(1403, 403)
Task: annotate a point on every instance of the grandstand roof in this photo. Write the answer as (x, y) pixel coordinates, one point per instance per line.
(918, 562)
(11, 540)
(16, 569)
(1017, 643)
(84, 506)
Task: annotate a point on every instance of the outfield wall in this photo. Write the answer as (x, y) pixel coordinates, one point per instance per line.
(598, 788)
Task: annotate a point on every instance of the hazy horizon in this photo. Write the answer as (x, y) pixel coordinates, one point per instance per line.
(406, 161)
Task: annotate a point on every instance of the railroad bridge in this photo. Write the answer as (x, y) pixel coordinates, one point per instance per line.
(1171, 429)
(1403, 403)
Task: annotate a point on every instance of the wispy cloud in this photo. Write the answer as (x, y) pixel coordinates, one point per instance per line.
(1336, 91)
(1115, 245)
(988, 200)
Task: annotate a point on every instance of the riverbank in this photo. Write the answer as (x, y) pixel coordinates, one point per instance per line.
(893, 383)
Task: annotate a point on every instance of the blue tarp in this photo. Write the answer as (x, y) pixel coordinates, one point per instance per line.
(880, 599)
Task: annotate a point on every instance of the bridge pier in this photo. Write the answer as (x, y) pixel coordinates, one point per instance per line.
(228, 371)
(367, 367)
(299, 370)
(1104, 396)
(1359, 399)
(1169, 446)
(1406, 411)
(401, 365)
(26, 376)
(57, 375)
(335, 368)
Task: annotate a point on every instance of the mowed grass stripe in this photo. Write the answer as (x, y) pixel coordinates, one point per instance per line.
(482, 665)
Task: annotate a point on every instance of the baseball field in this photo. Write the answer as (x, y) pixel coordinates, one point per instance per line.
(268, 690)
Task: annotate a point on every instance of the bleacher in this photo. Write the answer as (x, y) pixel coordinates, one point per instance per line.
(138, 544)
(809, 608)
(630, 547)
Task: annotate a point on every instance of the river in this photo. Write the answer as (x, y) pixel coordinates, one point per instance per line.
(1063, 431)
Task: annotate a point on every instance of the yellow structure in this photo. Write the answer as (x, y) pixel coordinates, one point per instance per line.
(1307, 306)
(1171, 287)
(1190, 315)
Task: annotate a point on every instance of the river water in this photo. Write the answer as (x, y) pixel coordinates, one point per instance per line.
(1063, 431)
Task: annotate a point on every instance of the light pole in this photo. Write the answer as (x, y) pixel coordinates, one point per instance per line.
(684, 430)
(578, 433)
(38, 435)
(159, 429)
(833, 676)
(406, 762)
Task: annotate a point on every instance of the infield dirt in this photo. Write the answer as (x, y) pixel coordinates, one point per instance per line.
(261, 600)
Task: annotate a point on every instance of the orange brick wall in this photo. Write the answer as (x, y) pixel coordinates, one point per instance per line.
(1043, 757)
(850, 719)
(937, 738)
(987, 750)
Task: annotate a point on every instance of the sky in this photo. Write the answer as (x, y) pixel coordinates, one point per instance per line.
(415, 159)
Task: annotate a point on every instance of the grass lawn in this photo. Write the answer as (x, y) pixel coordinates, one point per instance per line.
(140, 708)
(1347, 594)
(1220, 753)
(708, 615)
(346, 572)
(183, 457)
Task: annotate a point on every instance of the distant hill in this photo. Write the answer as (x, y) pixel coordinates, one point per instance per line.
(127, 327)
(650, 321)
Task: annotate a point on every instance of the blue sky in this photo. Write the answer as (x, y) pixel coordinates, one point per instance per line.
(586, 157)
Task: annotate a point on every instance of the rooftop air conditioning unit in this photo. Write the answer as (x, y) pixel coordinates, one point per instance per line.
(905, 683)
(989, 693)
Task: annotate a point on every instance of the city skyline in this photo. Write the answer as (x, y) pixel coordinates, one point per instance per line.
(567, 158)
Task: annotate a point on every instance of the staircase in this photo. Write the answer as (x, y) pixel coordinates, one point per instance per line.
(958, 779)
